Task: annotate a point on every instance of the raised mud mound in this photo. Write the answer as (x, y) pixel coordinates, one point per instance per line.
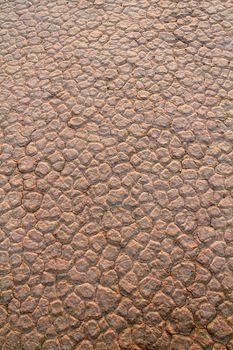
(116, 175)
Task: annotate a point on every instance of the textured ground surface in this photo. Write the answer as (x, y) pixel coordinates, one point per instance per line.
(116, 175)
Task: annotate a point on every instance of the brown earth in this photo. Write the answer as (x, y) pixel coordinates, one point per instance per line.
(116, 175)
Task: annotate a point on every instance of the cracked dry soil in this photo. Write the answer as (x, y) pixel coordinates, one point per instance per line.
(116, 175)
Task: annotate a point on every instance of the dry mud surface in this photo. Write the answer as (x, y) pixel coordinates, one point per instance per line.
(116, 175)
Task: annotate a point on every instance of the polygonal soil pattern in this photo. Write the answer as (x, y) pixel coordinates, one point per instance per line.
(116, 175)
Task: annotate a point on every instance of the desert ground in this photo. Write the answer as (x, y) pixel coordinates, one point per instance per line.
(116, 175)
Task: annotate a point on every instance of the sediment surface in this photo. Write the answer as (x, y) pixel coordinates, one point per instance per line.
(116, 176)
